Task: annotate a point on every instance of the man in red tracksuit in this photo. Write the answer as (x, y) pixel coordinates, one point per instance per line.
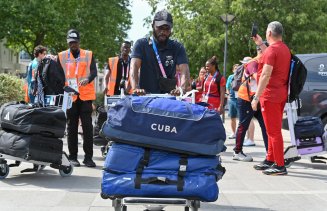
(273, 70)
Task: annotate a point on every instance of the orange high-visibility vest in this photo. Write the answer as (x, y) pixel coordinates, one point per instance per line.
(112, 64)
(86, 92)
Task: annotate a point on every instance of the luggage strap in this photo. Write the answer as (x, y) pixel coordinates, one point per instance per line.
(160, 180)
(181, 172)
(144, 162)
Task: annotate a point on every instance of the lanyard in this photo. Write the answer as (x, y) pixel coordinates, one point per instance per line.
(158, 58)
(212, 79)
(123, 68)
(68, 63)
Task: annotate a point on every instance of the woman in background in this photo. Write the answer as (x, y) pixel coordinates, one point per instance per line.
(214, 86)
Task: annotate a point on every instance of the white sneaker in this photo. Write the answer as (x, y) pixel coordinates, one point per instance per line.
(242, 157)
(248, 143)
(233, 136)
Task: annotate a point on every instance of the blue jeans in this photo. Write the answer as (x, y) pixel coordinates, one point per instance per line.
(245, 115)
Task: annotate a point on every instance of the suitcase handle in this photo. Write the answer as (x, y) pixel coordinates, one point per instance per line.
(187, 105)
(159, 181)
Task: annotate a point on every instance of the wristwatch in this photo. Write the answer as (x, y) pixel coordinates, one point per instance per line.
(255, 98)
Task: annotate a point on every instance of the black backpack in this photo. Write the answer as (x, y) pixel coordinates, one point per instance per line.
(297, 77)
(237, 79)
(53, 78)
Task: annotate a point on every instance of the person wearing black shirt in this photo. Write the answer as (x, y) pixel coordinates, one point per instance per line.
(80, 70)
(159, 64)
(118, 70)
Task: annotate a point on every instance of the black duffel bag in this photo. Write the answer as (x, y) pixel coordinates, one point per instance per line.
(25, 118)
(31, 147)
(308, 127)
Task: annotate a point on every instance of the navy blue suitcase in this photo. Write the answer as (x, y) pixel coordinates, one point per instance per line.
(308, 127)
(131, 171)
(165, 124)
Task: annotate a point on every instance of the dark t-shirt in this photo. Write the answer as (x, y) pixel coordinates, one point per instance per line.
(120, 74)
(172, 54)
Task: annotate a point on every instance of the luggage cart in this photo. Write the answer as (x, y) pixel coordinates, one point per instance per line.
(65, 168)
(152, 204)
(291, 153)
(155, 204)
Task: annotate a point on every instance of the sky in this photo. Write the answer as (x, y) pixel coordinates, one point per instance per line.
(140, 9)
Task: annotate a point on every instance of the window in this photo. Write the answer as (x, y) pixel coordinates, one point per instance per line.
(317, 69)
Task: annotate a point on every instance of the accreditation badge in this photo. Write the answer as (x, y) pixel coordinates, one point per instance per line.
(205, 98)
(73, 84)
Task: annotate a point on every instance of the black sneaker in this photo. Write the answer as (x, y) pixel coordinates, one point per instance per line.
(275, 170)
(89, 163)
(75, 162)
(263, 165)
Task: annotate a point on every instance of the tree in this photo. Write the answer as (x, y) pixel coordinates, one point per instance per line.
(198, 26)
(102, 24)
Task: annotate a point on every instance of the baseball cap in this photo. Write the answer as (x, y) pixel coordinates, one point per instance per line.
(163, 17)
(245, 60)
(73, 36)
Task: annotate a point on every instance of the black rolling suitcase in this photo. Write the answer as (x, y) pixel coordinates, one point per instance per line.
(24, 118)
(101, 117)
(31, 147)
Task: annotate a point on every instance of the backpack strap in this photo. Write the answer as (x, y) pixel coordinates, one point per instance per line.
(218, 79)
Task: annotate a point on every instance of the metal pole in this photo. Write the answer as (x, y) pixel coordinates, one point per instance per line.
(225, 61)
(225, 51)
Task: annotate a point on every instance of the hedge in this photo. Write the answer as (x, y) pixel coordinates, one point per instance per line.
(11, 88)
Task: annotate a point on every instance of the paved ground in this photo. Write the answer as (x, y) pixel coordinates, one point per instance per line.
(242, 188)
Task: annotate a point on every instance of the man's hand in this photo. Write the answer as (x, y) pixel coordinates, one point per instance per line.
(83, 82)
(139, 91)
(175, 92)
(220, 109)
(258, 40)
(254, 104)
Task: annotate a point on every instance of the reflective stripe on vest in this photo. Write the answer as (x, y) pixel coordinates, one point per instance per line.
(113, 63)
(87, 92)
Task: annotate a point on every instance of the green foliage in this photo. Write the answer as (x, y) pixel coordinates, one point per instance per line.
(99, 99)
(102, 24)
(198, 26)
(11, 88)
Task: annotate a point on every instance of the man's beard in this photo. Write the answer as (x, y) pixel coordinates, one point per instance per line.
(74, 50)
(162, 39)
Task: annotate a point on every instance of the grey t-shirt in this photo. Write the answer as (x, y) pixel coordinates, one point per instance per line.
(172, 54)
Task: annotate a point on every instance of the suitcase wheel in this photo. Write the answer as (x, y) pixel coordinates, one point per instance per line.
(66, 171)
(4, 170)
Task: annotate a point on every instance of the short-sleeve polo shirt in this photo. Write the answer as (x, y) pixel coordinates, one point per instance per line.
(171, 54)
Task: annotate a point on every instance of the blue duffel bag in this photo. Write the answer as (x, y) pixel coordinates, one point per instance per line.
(165, 124)
(131, 171)
(308, 127)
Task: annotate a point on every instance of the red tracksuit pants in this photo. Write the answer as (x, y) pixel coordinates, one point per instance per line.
(272, 115)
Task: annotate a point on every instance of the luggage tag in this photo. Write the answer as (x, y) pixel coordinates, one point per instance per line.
(205, 99)
(73, 84)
